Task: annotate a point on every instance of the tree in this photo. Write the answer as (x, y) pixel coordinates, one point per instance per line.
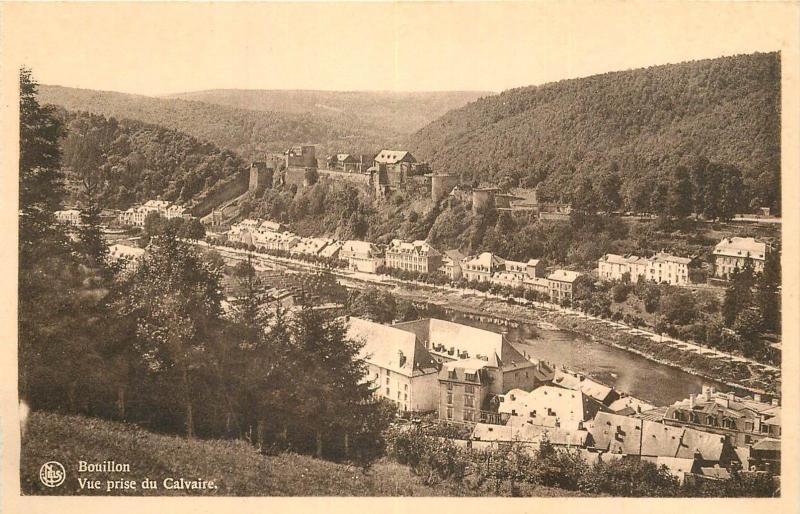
(175, 298)
(373, 304)
(680, 201)
(332, 388)
(49, 277)
(768, 297)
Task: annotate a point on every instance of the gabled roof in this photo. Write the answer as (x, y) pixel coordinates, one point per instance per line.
(587, 386)
(709, 446)
(563, 275)
(454, 255)
(462, 338)
(360, 248)
(418, 247)
(741, 247)
(676, 466)
(659, 440)
(394, 156)
(665, 257)
(768, 444)
(617, 434)
(519, 429)
(486, 260)
(546, 404)
(629, 402)
(389, 348)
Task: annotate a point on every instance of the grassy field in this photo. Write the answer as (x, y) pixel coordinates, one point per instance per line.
(236, 468)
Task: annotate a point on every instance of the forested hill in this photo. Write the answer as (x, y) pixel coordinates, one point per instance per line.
(250, 133)
(254, 122)
(637, 124)
(403, 112)
(134, 161)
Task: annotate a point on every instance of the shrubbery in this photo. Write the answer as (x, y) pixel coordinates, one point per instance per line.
(437, 459)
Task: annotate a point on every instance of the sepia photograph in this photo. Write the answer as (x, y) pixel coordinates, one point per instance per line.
(400, 250)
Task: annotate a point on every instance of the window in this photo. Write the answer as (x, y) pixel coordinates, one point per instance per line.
(469, 389)
(469, 415)
(449, 386)
(449, 413)
(387, 391)
(449, 398)
(469, 401)
(387, 381)
(406, 387)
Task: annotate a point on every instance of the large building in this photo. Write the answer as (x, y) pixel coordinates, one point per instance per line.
(362, 256)
(465, 387)
(447, 341)
(398, 365)
(479, 268)
(417, 256)
(280, 241)
(562, 285)
(733, 252)
(662, 268)
(398, 166)
(744, 420)
(135, 216)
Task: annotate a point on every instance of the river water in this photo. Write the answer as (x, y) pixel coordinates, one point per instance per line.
(656, 383)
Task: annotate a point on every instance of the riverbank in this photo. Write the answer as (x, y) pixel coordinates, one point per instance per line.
(740, 374)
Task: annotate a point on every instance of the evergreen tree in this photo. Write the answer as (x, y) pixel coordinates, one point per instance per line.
(331, 385)
(175, 298)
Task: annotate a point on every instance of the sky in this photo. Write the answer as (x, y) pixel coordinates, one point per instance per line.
(156, 49)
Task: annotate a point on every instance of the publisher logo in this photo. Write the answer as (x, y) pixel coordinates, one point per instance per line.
(52, 474)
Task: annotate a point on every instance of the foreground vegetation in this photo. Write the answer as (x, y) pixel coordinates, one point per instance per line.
(434, 456)
(235, 466)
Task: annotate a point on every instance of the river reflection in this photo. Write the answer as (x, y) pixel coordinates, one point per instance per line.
(625, 371)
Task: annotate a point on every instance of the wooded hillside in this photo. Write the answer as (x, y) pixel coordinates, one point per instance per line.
(254, 122)
(134, 162)
(403, 112)
(635, 126)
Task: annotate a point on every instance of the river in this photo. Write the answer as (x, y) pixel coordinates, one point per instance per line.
(656, 383)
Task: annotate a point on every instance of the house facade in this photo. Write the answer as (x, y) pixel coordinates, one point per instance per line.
(744, 420)
(661, 268)
(417, 256)
(451, 264)
(479, 268)
(562, 285)
(733, 253)
(69, 216)
(465, 387)
(399, 368)
(135, 216)
(362, 256)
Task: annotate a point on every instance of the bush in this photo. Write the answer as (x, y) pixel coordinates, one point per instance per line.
(629, 477)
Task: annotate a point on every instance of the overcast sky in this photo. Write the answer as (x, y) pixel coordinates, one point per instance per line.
(159, 49)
